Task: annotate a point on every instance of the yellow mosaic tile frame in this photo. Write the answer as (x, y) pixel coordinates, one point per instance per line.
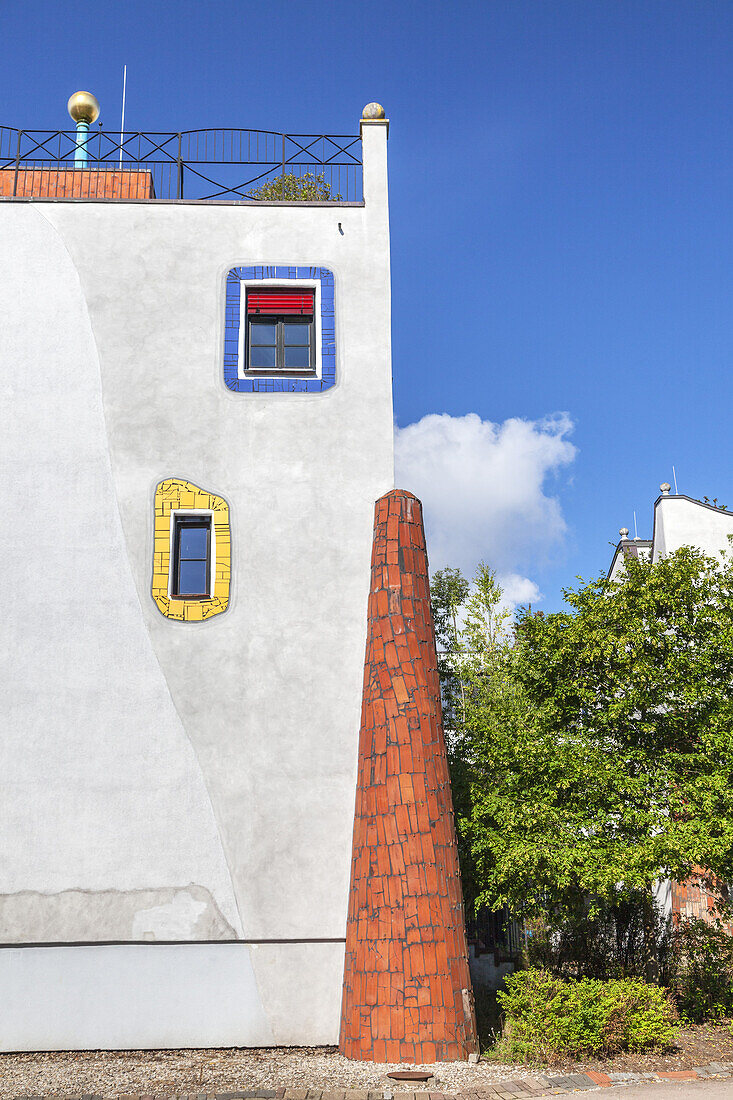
(175, 495)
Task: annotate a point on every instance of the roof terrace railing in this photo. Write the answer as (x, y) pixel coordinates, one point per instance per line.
(197, 165)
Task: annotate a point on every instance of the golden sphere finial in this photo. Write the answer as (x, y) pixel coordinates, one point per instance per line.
(83, 107)
(373, 111)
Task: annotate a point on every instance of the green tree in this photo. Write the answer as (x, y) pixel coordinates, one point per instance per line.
(449, 591)
(597, 748)
(474, 655)
(291, 188)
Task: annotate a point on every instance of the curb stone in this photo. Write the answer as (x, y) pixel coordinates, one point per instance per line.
(536, 1086)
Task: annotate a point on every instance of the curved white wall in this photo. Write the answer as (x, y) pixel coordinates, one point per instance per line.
(270, 691)
(102, 792)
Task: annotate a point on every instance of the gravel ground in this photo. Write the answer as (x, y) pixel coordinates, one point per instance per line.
(111, 1073)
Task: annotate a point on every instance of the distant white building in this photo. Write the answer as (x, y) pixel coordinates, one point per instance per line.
(679, 520)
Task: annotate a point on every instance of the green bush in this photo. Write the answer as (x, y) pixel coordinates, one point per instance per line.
(615, 942)
(291, 188)
(548, 1018)
(700, 970)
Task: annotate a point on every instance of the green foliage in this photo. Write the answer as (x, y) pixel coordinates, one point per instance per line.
(479, 693)
(596, 751)
(612, 943)
(695, 957)
(449, 592)
(548, 1018)
(292, 188)
(699, 970)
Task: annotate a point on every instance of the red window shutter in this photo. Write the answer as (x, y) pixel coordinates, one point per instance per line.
(280, 301)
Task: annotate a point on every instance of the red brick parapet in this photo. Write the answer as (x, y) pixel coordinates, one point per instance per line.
(407, 991)
(76, 183)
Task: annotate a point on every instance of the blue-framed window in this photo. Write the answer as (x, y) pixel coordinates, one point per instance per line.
(239, 373)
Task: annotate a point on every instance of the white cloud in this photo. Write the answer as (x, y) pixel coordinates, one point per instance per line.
(517, 590)
(484, 491)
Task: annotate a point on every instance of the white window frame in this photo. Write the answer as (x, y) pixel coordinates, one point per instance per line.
(301, 284)
(212, 548)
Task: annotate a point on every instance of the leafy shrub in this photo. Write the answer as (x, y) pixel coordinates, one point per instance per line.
(292, 188)
(700, 970)
(614, 942)
(548, 1017)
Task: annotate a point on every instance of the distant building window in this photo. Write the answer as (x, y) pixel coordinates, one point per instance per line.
(280, 331)
(191, 557)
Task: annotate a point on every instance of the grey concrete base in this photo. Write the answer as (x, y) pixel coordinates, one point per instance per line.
(147, 996)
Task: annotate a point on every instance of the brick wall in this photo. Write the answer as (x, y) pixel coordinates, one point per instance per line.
(77, 183)
(407, 991)
(695, 898)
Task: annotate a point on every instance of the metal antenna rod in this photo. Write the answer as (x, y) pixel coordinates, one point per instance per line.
(636, 533)
(122, 122)
(674, 479)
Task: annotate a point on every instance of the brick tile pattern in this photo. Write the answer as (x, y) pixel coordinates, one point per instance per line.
(696, 898)
(525, 1087)
(407, 992)
(77, 183)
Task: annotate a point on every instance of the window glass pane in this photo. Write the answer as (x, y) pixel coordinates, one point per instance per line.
(296, 334)
(192, 578)
(193, 542)
(261, 357)
(262, 334)
(297, 358)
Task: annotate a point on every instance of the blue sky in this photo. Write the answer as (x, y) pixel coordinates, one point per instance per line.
(561, 180)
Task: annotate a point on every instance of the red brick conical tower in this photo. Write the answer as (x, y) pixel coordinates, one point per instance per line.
(407, 990)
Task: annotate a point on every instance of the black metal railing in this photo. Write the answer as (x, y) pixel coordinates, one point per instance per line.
(203, 165)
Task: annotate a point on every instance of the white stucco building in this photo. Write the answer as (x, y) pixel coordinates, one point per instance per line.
(678, 521)
(196, 422)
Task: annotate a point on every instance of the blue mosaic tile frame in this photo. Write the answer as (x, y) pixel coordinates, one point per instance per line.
(274, 383)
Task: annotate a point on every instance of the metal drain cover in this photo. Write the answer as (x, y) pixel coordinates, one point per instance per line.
(410, 1075)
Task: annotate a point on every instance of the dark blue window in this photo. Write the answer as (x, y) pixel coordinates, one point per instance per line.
(191, 556)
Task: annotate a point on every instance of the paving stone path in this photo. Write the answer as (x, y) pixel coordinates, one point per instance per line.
(538, 1085)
